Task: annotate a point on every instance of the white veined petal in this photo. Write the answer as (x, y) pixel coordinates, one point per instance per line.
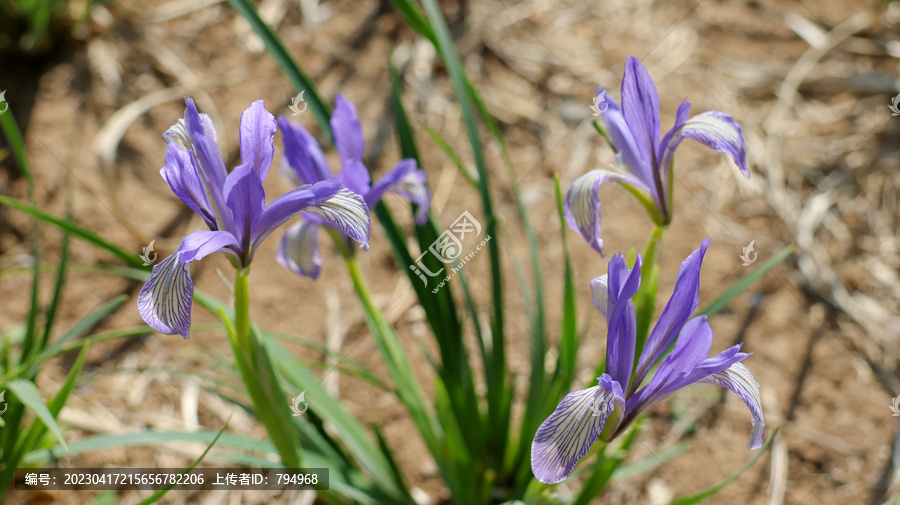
(567, 435)
(740, 381)
(600, 290)
(299, 250)
(164, 302)
(347, 212)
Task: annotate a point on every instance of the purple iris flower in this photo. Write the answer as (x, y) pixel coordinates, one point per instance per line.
(607, 409)
(304, 163)
(644, 160)
(233, 205)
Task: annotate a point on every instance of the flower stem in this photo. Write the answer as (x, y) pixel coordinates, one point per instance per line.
(262, 383)
(645, 299)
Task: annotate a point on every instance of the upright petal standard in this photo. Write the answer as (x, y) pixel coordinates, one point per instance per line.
(304, 163)
(643, 159)
(233, 206)
(620, 397)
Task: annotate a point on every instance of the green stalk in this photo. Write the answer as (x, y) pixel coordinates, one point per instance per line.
(257, 372)
(645, 299)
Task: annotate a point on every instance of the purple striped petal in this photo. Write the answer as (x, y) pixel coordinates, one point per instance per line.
(290, 204)
(621, 320)
(717, 131)
(739, 381)
(346, 212)
(678, 310)
(350, 143)
(181, 175)
(640, 105)
(582, 205)
(257, 135)
(408, 181)
(567, 435)
(299, 250)
(199, 244)
(691, 349)
(302, 154)
(164, 302)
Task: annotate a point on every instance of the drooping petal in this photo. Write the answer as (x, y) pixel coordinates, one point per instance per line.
(313, 198)
(582, 205)
(678, 310)
(257, 138)
(350, 143)
(706, 368)
(691, 348)
(302, 154)
(567, 435)
(739, 381)
(299, 250)
(181, 175)
(600, 290)
(408, 181)
(621, 319)
(246, 198)
(164, 302)
(717, 131)
(640, 105)
(346, 212)
(201, 243)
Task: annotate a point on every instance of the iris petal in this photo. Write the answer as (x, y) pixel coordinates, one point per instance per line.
(302, 154)
(257, 136)
(582, 205)
(717, 131)
(600, 290)
(567, 435)
(678, 310)
(350, 143)
(346, 212)
(640, 104)
(290, 204)
(181, 175)
(740, 381)
(201, 243)
(299, 250)
(621, 320)
(408, 181)
(164, 302)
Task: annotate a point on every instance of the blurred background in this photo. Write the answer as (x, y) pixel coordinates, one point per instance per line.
(93, 86)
